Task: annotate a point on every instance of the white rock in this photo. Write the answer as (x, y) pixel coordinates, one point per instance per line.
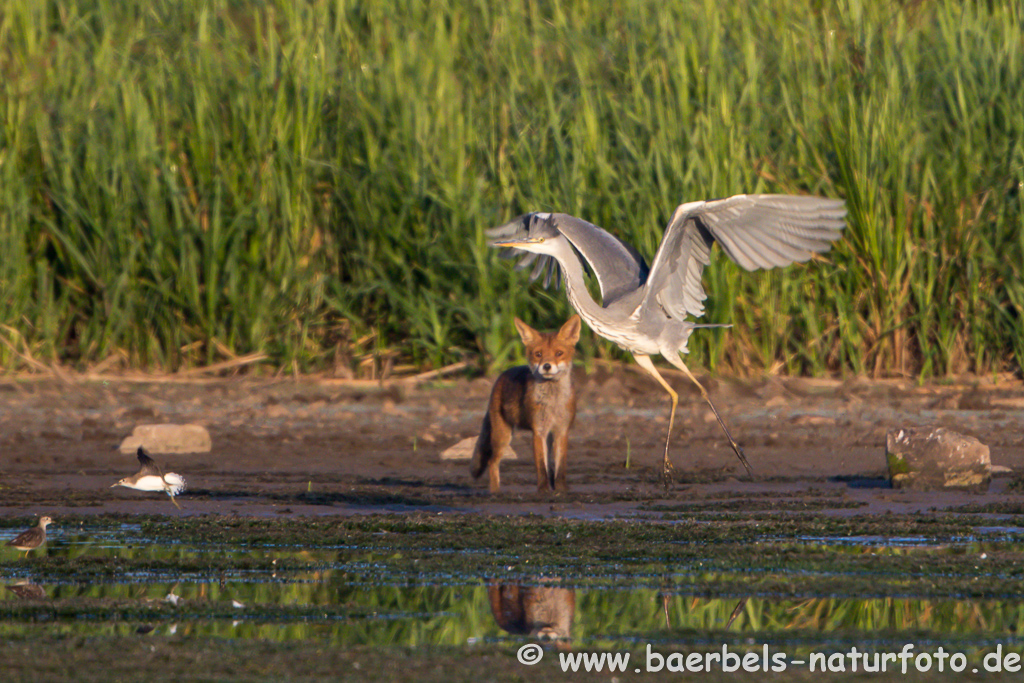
(463, 450)
(936, 459)
(168, 438)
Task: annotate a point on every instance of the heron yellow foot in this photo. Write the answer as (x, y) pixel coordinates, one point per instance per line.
(668, 473)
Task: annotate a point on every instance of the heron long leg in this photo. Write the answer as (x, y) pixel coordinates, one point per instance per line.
(736, 612)
(645, 362)
(675, 360)
(175, 503)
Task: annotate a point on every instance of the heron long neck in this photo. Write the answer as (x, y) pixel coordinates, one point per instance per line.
(576, 290)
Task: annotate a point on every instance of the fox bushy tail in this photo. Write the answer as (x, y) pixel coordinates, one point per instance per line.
(482, 452)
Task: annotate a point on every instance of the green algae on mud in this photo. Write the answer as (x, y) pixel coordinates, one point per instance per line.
(313, 593)
(177, 659)
(212, 659)
(704, 554)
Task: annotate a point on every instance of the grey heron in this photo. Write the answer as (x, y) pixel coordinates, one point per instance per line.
(644, 310)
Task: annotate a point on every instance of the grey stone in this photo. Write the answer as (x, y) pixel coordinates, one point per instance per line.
(936, 459)
(168, 438)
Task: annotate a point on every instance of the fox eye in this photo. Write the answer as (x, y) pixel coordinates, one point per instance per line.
(558, 354)
(537, 354)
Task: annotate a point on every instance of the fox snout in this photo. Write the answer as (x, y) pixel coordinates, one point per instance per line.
(548, 370)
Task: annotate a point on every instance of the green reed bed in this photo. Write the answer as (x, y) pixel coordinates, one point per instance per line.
(182, 183)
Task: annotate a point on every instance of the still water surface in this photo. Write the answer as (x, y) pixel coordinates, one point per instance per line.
(348, 596)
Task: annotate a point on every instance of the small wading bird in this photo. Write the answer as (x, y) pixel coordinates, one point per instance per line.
(26, 590)
(643, 309)
(150, 478)
(31, 539)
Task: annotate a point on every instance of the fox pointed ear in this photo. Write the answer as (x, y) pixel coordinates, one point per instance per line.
(527, 333)
(570, 331)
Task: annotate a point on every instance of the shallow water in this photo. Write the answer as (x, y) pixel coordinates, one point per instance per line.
(354, 595)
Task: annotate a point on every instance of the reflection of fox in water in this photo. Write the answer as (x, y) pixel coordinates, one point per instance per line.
(539, 397)
(543, 612)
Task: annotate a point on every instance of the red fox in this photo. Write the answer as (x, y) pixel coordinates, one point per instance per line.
(542, 612)
(539, 397)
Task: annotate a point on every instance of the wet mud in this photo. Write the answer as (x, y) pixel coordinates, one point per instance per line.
(341, 487)
(316, 447)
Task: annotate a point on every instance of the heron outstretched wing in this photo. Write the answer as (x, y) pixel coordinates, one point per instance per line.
(755, 231)
(618, 267)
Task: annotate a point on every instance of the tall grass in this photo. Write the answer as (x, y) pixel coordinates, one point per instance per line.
(186, 182)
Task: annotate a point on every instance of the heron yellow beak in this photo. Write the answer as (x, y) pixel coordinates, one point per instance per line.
(517, 243)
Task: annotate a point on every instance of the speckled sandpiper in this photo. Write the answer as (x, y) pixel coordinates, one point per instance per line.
(31, 539)
(150, 478)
